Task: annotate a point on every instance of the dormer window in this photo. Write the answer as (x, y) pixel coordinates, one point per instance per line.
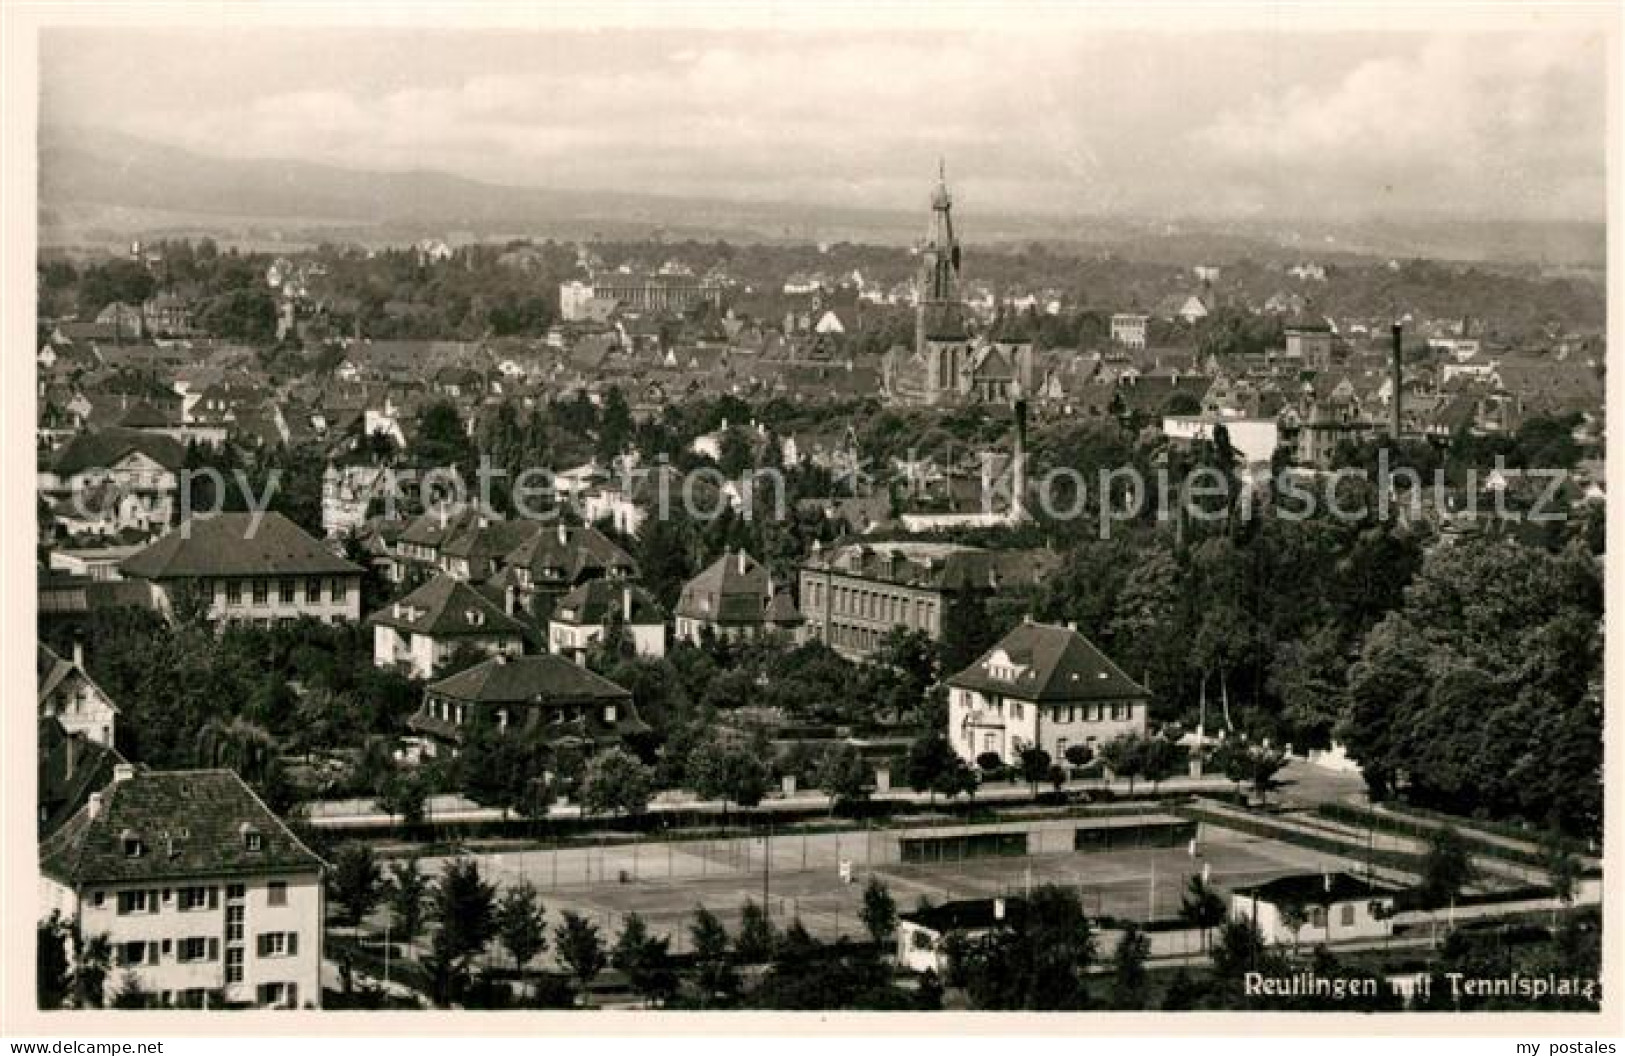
(252, 839)
(609, 713)
(131, 842)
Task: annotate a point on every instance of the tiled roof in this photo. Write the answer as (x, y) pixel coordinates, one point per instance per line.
(736, 588)
(190, 823)
(594, 601)
(490, 541)
(447, 607)
(1058, 664)
(104, 448)
(224, 545)
(574, 552)
(535, 678)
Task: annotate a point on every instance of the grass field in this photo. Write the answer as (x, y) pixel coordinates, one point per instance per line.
(666, 882)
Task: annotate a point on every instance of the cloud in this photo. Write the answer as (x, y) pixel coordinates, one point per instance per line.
(1028, 120)
(1492, 123)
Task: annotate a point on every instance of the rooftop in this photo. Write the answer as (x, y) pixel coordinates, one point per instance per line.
(1043, 662)
(233, 544)
(154, 826)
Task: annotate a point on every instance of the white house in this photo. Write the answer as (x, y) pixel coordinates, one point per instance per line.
(585, 615)
(206, 898)
(1045, 686)
(421, 631)
(1335, 907)
(67, 693)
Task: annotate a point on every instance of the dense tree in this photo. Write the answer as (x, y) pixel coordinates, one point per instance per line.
(1447, 867)
(755, 941)
(357, 882)
(616, 781)
(521, 923)
(645, 961)
(581, 948)
(462, 903)
(1129, 981)
(1035, 959)
(844, 776)
(879, 912)
(408, 894)
(715, 975)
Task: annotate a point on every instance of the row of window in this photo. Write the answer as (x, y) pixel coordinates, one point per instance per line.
(864, 639)
(187, 899)
(1065, 713)
(230, 592)
(458, 713)
(871, 605)
(204, 949)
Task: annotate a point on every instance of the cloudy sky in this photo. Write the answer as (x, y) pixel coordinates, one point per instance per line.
(1128, 121)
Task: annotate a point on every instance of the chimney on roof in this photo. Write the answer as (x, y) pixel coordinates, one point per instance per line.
(581, 658)
(123, 772)
(510, 599)
(93, 806)
(564, 534)
(741, 561)
(626, 603)
(79, 651)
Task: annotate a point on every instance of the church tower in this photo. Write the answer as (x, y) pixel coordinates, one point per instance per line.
(939, 322)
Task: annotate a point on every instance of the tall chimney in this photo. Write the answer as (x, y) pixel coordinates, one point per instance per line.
(626, 603)
(1396, 377)
(78, 652)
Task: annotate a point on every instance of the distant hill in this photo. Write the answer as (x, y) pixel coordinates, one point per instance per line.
(98, 186)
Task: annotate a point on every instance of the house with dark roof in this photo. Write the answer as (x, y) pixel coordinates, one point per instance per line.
(735, 598)
(477, 552)
(1042, 686)
(420, 632)
(70, 766)
(563, 701)
(246, 567)
(1334, 907)
(206, 898)
(556, 559)
(65, 692)
(106, 481)
(586, 614)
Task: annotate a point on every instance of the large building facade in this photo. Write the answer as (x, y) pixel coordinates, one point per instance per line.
(259, 569)
(853, 596)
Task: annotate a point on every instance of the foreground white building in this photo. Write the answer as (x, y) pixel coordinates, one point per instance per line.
(206, 898)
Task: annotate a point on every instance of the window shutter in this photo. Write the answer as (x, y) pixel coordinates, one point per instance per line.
(214, 949)
(152, 953)
(262, 943)
(214, 897)
(293, 944)
(152, 901)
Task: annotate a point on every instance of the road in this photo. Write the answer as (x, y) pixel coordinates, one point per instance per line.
(1301, 783)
